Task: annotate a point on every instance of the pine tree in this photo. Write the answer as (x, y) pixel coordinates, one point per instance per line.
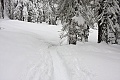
(25, 13)
(75, 23)
(18, 11)
(30, 11)
(108, 26)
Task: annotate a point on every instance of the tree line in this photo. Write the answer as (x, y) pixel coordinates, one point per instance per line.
(30, 10)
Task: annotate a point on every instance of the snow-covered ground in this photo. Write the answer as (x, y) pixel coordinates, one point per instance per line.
(30, 51)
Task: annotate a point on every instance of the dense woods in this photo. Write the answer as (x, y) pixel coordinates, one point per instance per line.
(76, 16)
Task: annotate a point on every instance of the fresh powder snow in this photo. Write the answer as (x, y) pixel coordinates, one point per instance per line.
(30, 51)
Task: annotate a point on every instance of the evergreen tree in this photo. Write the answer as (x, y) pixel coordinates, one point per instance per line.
(75, 24)
(108, 25)
(30, 11)
(18, 11)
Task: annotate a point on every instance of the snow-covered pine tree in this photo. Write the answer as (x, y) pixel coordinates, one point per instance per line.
(39, 6)
(35, 10)
(108, 25)
(18, 10)
(25, 10)
(53, 5)
(25, 13)
(74, 22)
(9, 8)
(30, 10)
(66, 12)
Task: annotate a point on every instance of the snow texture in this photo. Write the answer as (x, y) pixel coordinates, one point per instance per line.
(30, 51)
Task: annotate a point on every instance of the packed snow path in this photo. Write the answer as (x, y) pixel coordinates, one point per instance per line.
(60, 72)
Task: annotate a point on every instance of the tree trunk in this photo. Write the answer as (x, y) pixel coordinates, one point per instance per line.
(99, 27)
(99, 33)
(44, 16)
(2, 5)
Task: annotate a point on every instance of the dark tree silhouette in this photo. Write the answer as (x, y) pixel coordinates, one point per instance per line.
(2, 6)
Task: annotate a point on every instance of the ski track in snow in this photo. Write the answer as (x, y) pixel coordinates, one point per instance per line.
(60, 72)
(33, 73)
(41, 68)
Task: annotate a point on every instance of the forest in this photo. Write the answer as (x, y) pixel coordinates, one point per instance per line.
(76, 16)
(59, 39)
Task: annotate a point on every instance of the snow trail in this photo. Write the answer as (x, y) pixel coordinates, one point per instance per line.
(41, 70)
(60, 72)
